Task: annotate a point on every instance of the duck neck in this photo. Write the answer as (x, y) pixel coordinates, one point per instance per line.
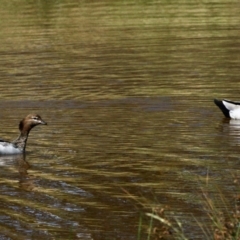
(21, 141)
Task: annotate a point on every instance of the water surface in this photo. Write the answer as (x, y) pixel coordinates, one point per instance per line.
(127, 90)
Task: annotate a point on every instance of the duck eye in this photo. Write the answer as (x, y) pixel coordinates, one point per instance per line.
(35, 118)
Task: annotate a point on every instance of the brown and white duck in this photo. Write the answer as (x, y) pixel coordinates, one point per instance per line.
(19, 145)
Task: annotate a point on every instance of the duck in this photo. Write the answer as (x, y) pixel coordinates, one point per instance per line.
(230, 109)
(18, 146)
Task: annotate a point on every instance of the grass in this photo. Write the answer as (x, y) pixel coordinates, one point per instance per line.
(162, 224)
(223, 226)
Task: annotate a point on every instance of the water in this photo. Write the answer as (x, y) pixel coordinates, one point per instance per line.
(127, 90)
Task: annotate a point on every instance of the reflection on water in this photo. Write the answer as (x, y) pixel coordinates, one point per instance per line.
(25, 196)
(234, 127)
(26, 181)
(18, 163)
(231, 128)
(127, 90)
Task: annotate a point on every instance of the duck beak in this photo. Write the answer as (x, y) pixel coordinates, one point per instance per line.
(42, 122)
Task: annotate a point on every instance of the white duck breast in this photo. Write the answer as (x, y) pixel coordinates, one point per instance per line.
(8, 148)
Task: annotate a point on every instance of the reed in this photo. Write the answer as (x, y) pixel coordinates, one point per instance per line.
(162, 223)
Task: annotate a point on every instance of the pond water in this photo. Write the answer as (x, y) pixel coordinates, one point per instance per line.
(127, 90)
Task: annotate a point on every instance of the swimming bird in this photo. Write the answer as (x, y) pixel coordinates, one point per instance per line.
(229, 108)
(19, 145)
